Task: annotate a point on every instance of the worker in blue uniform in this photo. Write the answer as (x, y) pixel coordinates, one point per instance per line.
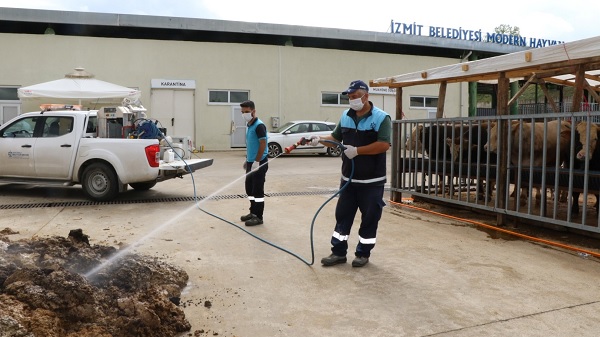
(256, 164)
(365, 131)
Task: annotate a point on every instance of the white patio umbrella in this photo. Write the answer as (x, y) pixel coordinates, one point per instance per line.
(78, 85)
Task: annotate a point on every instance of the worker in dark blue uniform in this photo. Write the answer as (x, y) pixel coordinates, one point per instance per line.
(256, 164)
(365, 131)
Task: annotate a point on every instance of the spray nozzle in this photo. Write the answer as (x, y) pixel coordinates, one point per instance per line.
(302, 141)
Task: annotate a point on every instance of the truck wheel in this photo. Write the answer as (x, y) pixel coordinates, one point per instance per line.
(144, 186)
(100, 182)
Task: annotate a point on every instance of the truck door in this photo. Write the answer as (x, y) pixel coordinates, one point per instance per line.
(54, 151)
(17, 145)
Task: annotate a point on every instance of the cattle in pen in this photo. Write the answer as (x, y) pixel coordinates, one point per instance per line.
(429, 141)
(470, 145)
(585, 151)
(468, 148)
(558, 135)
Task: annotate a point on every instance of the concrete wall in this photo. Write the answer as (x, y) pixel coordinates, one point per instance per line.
(284, 81)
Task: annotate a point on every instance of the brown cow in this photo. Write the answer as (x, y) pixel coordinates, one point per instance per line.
(524, 140)
(429, 141)
(582, 131)
(470, 155)
(413, 142)
(589, 152)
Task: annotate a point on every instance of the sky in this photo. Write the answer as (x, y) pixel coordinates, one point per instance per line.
(564, 21)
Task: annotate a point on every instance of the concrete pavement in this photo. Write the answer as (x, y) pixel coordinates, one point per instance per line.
(428, 275)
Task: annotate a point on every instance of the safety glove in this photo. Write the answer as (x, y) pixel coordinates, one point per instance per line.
(350, 151)
(314, 140)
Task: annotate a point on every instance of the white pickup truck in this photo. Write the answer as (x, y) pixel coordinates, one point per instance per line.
(63, 148)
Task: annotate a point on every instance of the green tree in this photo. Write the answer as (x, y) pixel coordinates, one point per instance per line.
(508, 30)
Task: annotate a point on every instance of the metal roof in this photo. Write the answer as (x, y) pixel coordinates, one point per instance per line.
(32, 21)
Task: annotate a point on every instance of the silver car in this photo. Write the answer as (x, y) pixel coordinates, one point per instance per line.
(290, 133)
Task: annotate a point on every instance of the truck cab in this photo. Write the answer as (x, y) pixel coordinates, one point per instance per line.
(38, 145)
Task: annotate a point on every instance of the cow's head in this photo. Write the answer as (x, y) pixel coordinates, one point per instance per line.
(413, 143)
(591, 147)
(460, 144)
(492, 142)
(455, 148)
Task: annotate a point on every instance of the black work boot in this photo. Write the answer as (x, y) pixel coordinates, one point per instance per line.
(360, 261)
(332, 260)
(254, 221)
(247, 217)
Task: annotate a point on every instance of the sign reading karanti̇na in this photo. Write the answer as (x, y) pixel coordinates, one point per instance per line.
(470, 35)
(172, 84)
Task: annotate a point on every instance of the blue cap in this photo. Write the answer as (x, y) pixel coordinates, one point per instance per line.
(355, 85)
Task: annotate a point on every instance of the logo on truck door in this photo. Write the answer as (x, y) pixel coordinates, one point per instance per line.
(18, 155)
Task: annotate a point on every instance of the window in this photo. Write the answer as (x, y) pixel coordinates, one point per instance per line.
(423, 102)
(22, 128)
(92, 124)
(300, 128)
(227, 96)
(39, 126)
(332, 98)
(320, 127)
(8, 94)
(57, 126)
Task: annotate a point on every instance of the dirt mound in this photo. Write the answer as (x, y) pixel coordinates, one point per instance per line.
(44, 290)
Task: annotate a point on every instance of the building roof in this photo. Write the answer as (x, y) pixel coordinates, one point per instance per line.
(31, 21)
(556, 64)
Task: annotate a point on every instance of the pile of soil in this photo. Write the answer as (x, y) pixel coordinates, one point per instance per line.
(44, 290)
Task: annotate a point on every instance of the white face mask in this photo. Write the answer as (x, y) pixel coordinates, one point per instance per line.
(247, 116)
(357, 104)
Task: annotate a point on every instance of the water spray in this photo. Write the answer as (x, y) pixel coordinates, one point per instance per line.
(302, 141)
(124, 251)
(106, 264)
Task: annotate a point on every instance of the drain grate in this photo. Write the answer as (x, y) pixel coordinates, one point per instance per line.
(154, 200)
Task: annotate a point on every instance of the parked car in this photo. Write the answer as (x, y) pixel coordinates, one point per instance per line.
(290, 133)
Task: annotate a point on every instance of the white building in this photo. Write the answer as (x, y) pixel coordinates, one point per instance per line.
(194, 72)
